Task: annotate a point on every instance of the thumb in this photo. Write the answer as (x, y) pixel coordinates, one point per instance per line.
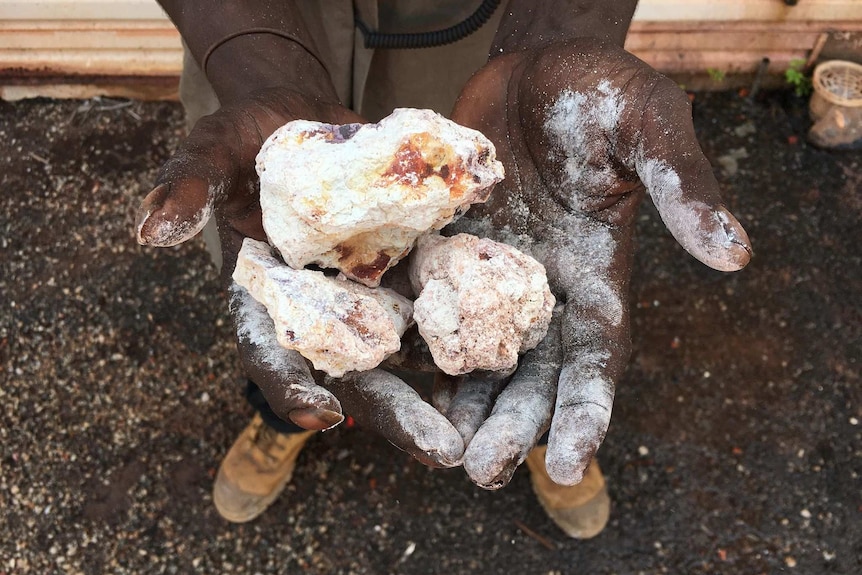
(189, 185)
(682, 186)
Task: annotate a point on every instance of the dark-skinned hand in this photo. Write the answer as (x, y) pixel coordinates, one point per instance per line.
(576, 147)
(583, 128)
(213, 175)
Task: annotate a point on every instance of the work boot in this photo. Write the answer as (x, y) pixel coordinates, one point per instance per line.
(255, 471)
(580, 510)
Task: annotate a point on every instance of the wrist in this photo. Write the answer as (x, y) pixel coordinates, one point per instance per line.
(533, 23)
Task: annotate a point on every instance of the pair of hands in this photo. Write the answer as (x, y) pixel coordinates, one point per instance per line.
(582, 128)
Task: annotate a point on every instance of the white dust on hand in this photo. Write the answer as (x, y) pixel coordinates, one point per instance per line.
(254, 327)
(704, 232)
(582, 414)
(520, 416)
(581, 127)
(401, 412)
(579, 251)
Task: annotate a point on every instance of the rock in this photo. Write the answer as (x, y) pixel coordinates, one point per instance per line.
(355, 197)
(338, 324)
(480, 303)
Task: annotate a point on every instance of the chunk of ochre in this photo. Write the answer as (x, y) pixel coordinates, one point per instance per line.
(481, 303)
(335, 323)
(355, 197)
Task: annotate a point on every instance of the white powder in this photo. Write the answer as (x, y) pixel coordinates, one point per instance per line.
(581, 416)
(578, 255)
(470, 406)
(170, 233)
(255, 327)
(573, 123)
(431, 432)
(520, 415)
(702, 231)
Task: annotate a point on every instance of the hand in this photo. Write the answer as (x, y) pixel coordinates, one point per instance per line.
(582, 127)
(212, 174)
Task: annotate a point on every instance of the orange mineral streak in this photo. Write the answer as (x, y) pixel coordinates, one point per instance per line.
(373, 270)
(421, 157)
(315, 134)
(362, 265)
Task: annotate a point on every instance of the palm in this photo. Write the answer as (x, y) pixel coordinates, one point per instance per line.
(576, 147)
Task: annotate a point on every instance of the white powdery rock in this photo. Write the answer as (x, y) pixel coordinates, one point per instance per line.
(480, 303)
(339, 325)
(355, 197)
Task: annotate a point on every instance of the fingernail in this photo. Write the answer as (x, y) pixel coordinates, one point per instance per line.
(738, 252)
(435, 459)
(502, 480)
(151, 203)
(169, 216)
(315, 418)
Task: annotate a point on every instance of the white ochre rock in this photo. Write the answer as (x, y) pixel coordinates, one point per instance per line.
(355, 197)
(337, 324)
(480, 303)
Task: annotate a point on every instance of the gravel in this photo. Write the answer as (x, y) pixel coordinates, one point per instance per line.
(735, 445)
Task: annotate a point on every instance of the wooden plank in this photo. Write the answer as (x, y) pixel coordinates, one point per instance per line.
(80, 10)
(728, 62)
(771, 10)
(745, 26)
(122, 39)
(743, 36)
(709, 41)
(87, 62)
(138, 88)
(87, 25)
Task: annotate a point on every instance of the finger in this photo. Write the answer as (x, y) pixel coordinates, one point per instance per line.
(681, 183)
(382, 402)
(595, 352)
(445, 388)
(471, 399)
(520, 416)
(282, 375)
(190, 183)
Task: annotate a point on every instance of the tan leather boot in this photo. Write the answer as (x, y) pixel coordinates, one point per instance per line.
(255, 471)
(581, 510)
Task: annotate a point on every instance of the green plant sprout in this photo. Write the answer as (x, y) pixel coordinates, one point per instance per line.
(798, 79)
(715, 74)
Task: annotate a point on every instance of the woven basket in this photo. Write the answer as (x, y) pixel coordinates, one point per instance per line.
(839, 82)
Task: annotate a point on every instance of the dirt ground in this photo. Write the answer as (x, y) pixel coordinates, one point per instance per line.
(735, 445)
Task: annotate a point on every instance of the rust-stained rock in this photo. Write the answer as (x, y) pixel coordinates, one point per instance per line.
(356, 197)
(338, 324)
(480, 303)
